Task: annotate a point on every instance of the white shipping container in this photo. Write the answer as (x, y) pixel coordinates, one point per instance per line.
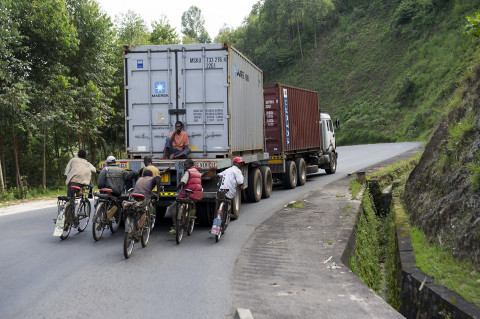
(213, 89)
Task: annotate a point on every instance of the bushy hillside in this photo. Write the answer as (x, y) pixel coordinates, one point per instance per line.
(387, 68)
(442, 194)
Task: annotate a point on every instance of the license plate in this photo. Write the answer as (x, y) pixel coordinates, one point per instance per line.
(165, 178)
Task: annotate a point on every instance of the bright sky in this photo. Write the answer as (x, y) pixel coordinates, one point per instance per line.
(215, 12)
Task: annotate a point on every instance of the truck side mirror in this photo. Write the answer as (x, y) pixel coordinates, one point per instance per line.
(337, 124)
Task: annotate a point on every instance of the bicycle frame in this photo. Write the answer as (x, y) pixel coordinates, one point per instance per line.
(222, 218)
(66, 217)
(184, 220)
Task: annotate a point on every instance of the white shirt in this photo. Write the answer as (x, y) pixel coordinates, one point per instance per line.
(231, 177)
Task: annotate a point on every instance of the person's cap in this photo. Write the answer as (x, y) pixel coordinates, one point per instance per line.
(238, 160)
(111, 159)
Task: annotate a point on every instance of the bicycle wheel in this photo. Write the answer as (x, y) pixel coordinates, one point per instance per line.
(180, 226)
(191, 222)
(118, 218)
(98, 218)
(145, 235)
(128, 242)
(191, 225)
(222, 215)
(83, 214)
(153, 216)
(68, 223)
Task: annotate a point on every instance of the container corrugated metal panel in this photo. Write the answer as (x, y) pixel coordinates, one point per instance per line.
(211, 88)
(292, 119)
(246, 101)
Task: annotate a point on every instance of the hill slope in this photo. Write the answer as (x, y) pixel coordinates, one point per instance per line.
(387, 69)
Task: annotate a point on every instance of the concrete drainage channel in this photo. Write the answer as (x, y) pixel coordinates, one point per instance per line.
(418, 296)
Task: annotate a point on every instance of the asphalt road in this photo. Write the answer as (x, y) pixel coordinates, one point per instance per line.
(44, 277)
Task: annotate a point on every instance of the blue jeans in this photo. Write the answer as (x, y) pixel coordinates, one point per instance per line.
(169, 149)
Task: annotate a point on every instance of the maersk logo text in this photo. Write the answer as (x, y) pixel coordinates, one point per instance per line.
(160, 89)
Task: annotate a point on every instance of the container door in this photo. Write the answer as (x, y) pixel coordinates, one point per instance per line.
(150, 95)
(203, 100)
(273, 120)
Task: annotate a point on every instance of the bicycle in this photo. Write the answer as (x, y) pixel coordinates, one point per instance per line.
(67, 217)
(108, 213)
(185, 219)
(136, 226)
(221, 221)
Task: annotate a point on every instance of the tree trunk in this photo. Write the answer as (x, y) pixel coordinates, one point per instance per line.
(44, 156)
(298, 31)
(17, 166)
(70, 145)
(2, 164)
(57, 151)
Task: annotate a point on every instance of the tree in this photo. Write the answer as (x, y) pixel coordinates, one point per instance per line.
(225, 34)
(47, 39)
(193, 26)
(13, 73)
(131, 29)
(318, 11)
(473, 26)
(163, 33)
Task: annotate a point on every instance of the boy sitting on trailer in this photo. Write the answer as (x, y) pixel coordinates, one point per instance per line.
(176, 145)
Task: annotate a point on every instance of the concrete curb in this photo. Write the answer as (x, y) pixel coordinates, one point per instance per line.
(243, 314)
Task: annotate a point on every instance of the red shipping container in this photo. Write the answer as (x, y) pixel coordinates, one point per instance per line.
(292, 119)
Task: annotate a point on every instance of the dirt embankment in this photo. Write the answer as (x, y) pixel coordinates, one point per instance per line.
(442, 194)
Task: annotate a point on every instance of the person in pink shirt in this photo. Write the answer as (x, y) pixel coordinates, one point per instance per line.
(176, 145)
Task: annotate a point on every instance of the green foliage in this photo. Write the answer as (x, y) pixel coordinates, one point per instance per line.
(459, 131)
(131, 29)
(366, 261)
(163, 33)
(355, 187)
(473, 26)
(438, 262)
(405, 12)
(474, 169)
(193, 26)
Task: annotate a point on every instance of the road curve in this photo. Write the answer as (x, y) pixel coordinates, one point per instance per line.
(43, 277)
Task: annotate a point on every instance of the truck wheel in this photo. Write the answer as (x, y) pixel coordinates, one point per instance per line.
(237, 203)
(267, 181)
(254, 189)
(333, 164)
(301, 171)
(290, 175)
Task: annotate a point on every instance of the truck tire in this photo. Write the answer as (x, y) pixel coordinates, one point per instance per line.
(267, 181)
(333, 164)
(290, 175)
(236, 204)
(301, 171)
(254, 190)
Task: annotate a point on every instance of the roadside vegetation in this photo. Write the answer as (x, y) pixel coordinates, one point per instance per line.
(375, 259)
(385, 69)
(438, 262)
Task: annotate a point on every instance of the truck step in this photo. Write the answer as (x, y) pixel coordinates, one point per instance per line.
(311, 169)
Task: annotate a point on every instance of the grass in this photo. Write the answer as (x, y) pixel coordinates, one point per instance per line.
(295, 205)
(355, 188)
(14, 195)
(437, 262)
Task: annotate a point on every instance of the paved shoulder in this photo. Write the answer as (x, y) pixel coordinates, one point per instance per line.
(27, 206)
(291, 268)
